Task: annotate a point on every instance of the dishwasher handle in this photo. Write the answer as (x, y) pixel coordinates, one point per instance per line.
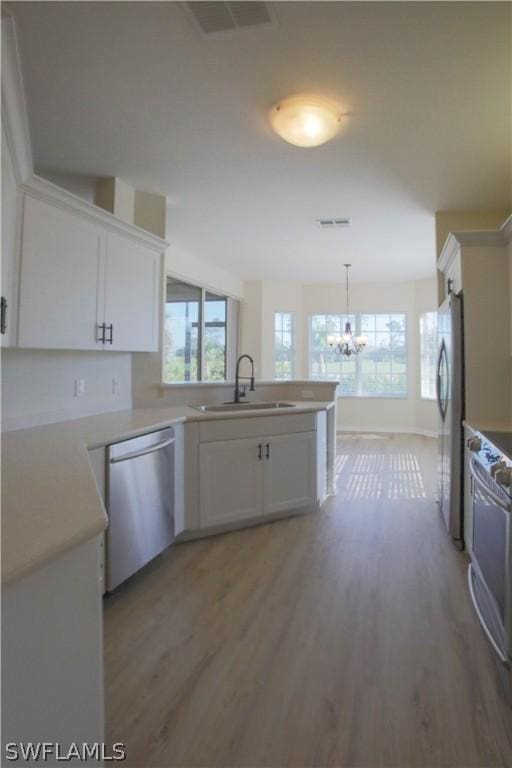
(143, 452)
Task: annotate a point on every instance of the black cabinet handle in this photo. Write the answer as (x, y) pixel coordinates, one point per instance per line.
(110, 339)
(3, 315)
(259, 451)
(101, 332)
(268, 450)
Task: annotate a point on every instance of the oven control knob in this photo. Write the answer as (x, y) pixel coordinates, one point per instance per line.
(474, 444)
(498, 467)
(504, 476)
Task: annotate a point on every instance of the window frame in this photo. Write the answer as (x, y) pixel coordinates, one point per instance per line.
(357, 320)
(231, 333)
(293, 348)
(433, 397)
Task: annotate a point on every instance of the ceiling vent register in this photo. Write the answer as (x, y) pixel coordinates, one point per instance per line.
(333, 223)
(213, 17)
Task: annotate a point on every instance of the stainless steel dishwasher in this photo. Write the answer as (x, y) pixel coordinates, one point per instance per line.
(140, 503)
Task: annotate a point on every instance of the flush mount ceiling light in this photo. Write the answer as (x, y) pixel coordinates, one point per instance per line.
(305, 120)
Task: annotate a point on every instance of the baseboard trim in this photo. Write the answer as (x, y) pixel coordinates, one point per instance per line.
(389, 430)
(13, 423)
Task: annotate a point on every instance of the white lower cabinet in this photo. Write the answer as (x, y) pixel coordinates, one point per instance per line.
(52, 654)
(290, 472)
(256, 476)
(230, 480)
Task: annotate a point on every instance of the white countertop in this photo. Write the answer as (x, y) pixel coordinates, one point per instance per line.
(50, 501)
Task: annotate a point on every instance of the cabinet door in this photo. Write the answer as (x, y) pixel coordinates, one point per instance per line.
(453, 276)
(61, 265)
(290, 472)
(9, 260)
(230, 480)
(132, 295)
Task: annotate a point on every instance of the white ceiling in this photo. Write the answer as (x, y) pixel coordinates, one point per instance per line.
(133, 90)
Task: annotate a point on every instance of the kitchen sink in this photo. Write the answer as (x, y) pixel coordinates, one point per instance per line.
(242, 407)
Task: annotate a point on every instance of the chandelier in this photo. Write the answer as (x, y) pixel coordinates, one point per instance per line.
(347, 344)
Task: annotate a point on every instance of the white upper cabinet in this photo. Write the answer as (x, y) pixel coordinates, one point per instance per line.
(61, 269)
(9, 251)
(84, 285)
(131, 295)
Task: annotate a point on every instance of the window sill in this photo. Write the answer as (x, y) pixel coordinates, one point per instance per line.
(195, 384)
(231, 383)
(373, 397)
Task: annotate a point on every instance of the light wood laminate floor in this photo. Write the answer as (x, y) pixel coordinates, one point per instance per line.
(341, 638)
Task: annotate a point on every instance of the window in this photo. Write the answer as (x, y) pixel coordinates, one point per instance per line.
(215, 337)
(196, 334)
(428, 351)
(379, 371)
(284, 345)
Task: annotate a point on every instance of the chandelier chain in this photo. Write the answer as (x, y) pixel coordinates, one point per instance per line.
(347, 344)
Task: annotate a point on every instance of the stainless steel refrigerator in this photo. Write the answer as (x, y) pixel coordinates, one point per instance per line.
(450, 402)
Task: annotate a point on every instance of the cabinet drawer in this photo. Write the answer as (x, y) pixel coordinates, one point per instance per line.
(233, 429)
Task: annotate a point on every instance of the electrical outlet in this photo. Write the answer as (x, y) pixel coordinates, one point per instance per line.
(79, 387)
(116, 386)
(307, 394)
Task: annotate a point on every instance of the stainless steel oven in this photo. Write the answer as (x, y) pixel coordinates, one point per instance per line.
(490, 571)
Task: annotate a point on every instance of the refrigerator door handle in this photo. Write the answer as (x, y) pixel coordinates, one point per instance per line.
(442, 355)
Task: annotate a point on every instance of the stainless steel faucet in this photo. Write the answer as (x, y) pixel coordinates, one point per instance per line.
(250, 378)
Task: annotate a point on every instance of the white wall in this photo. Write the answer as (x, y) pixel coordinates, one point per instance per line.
(191, 268)
(263, 299)
(38, 385)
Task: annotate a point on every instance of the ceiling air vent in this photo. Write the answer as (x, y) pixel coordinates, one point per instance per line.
(333, 223)
(213, 17)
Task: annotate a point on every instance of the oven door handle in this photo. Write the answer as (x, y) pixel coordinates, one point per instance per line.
(500, 502)
(504, 660)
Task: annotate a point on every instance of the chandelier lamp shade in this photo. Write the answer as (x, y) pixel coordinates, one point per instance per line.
(306, 120)
(347, 344)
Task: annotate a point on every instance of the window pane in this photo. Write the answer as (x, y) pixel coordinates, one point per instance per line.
(286, 340)
(187, 331)
(378, 371)
(428, 349)
(367, 323)
(284, 345)
(318, 323)
(214, 308)
(214, 341)
(181, 337)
